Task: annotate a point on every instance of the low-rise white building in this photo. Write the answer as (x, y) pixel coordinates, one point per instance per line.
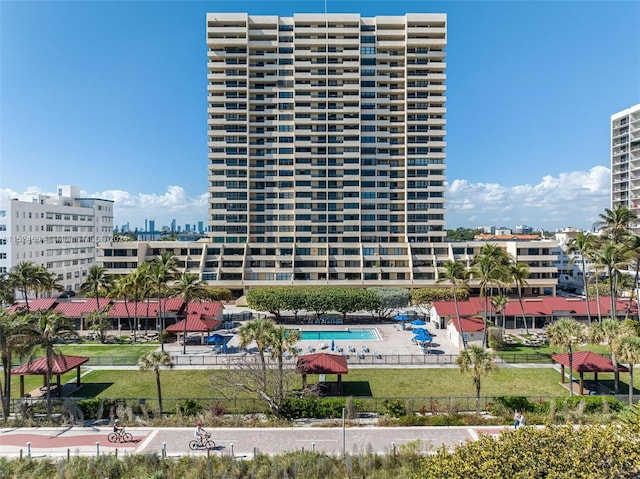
(59, 232)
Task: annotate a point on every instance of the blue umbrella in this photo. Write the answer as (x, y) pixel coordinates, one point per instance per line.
(333, 345)
(417, 322)
(402, 317)
(422, 335)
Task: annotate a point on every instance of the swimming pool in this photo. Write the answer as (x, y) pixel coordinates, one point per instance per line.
(346, 334)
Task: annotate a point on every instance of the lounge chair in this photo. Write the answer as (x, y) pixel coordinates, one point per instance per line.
(377, 354)
(361, 355)
(351, 349)
(323, 346)
(310, 349)
(365, 348)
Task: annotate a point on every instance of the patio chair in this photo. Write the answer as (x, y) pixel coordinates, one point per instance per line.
(377, 354)
(361, 355)
(310, 349)
(351, 349)
(365, 348)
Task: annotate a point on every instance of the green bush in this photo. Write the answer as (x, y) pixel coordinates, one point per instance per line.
(592, 404)
(311, 407)
(394, 408)
(191, 407)
(89, 407)
(515, 403)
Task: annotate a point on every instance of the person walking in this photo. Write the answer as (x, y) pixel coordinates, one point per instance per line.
(517, 419)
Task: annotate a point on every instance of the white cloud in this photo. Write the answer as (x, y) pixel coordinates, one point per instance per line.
(574, 198)
(175, 203)
(571, 199)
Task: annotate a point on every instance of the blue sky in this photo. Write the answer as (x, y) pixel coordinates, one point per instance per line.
(111, 97)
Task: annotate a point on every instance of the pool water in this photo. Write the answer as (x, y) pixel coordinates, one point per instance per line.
(347, 334)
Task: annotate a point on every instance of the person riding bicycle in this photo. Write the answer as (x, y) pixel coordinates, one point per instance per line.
(200, 434)
(117, 428)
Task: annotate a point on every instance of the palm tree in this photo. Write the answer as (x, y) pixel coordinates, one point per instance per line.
(454, 272)
(583, 245)
(488, 271)
(154, 360)
(281, 341)
(7, 291)
(565, 333)
(518, 273)
(51, 326)
(610, 330)
(481, 363)
(162, 270)
(16, 338)
(96, 282)
(23, 277)
(615, 223)
(46, 281)
(260, 331)
(633, 256)
(121, 290)
(627, 348)
(188, 287)
(610, 257)
(500, 303)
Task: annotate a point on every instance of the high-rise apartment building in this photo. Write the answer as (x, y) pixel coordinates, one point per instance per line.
(59, 232)
(326, 158)
(625, 159)
(326, 143)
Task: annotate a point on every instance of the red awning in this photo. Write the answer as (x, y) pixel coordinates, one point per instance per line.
(587, 362)
(322, 363)
(60, 365)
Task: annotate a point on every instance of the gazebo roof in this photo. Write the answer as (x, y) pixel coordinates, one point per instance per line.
(60, 365)
(322, 363)
(587, 362)
(195, 324)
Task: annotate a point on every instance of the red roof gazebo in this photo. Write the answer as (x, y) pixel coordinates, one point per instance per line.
(585, 362)
(322, 363)
(60, 364)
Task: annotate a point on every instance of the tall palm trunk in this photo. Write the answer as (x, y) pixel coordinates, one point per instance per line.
(634, 288)
(159, 391)
(586, 294)
(598, 299)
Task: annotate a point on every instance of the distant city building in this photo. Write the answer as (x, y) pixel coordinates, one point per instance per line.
(523, 229)
(152, 225)
(625, 160)
(58, 232)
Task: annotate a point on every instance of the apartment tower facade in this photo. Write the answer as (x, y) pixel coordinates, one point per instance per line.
(625, 159)
(326, 147)
(60, 232)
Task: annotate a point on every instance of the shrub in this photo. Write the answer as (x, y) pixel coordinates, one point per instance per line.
(592, 404)
(394, 408)
(89, 407)
(191, 407)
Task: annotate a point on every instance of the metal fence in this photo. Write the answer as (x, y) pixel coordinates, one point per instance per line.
(354, 359)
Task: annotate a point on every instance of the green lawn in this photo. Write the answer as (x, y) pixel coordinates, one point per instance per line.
(359, 382)
(107, 350)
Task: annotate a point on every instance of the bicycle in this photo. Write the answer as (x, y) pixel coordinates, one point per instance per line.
(203, 443)
(120, 436)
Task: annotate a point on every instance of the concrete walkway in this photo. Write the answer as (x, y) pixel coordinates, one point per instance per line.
(236, 442)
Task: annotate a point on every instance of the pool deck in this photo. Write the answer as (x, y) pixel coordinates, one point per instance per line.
(393, 341)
